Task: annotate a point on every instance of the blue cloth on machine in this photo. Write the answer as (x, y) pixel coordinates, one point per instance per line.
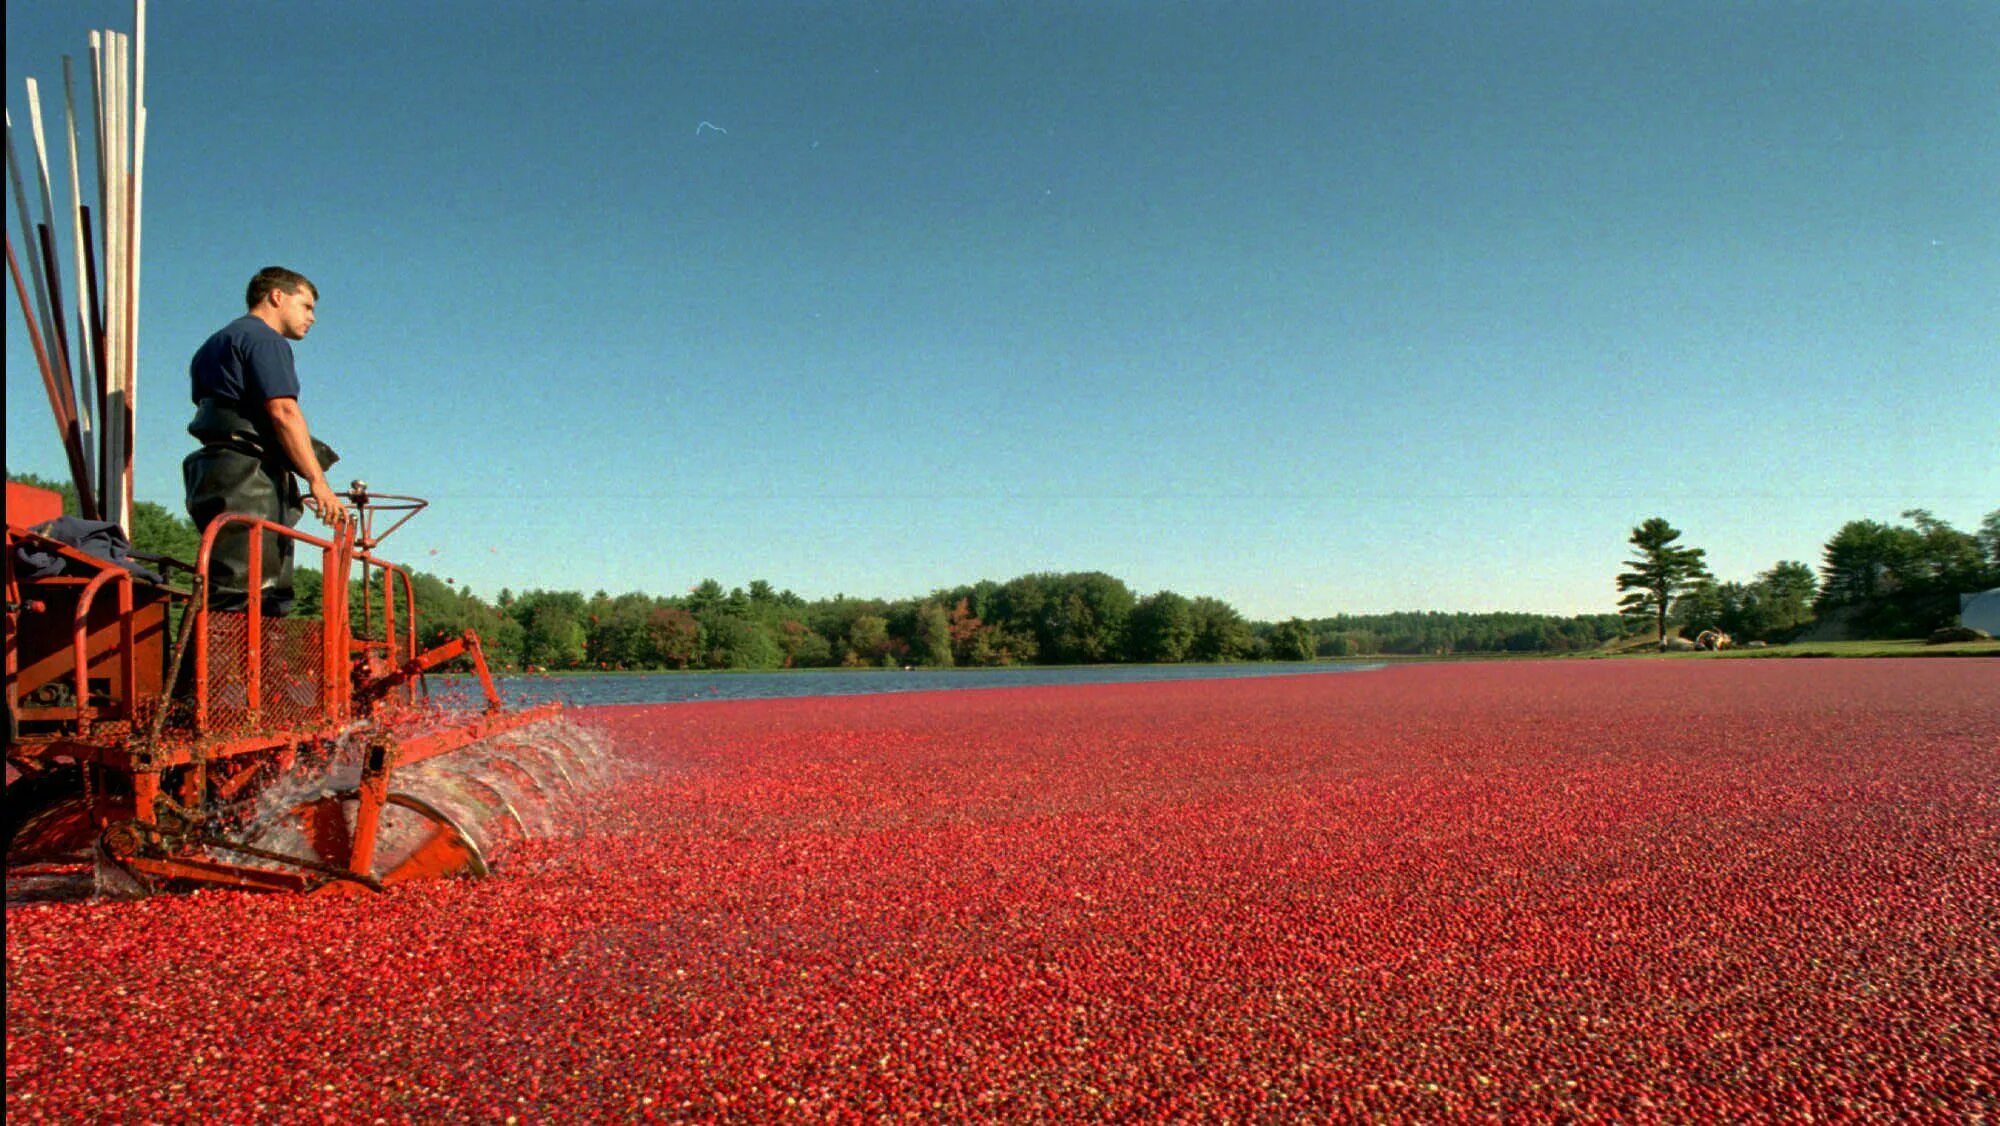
(102, 538)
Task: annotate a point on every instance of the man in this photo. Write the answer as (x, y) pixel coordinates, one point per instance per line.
(254, 439)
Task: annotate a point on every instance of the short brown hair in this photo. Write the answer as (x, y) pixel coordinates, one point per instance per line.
(275, 278)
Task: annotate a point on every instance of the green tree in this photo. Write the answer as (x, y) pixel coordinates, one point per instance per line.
(1293, 641)
(1220, 633)
(971, 639)
(801, 645)
(673, 635)
(1948, 561)
(308, 592)
(160, 532)
(868, 640)
(1989, 541)
(703, 597)
(930, 643)
(1162, 629)
(1659, 573)
(445, 612)
(1344, 644)
(1705, 605)
(552, 636)
(737, 642)
(1020, 607)
(617, 631)
(1867, 559)
(503, 643)
(1779, 602)
(1086, 618)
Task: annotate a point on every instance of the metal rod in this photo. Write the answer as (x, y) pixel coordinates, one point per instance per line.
(95, 343)
(29, 242)
(44, 263)
(99, 236)
(73, 447)
(55, 331)
(185, 634)
(45, 245)
(86, 365)
(41, 354)
(253, 642)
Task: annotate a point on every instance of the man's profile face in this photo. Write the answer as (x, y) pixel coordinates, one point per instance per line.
(295, 312)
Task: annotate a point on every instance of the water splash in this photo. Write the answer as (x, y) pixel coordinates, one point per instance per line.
(531, 783)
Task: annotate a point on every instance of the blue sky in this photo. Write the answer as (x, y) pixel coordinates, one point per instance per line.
(1313, 307)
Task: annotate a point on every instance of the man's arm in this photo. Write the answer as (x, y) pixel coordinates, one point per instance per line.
(290, 424)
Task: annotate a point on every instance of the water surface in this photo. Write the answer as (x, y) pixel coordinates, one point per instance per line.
(676, 687)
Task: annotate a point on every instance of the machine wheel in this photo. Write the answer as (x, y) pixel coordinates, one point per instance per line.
(415, 840)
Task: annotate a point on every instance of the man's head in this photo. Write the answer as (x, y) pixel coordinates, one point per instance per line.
(283, 299)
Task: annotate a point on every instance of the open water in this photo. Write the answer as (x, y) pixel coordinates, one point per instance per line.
(679, 687)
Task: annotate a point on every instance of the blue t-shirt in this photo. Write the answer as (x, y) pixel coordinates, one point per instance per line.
(247, 362)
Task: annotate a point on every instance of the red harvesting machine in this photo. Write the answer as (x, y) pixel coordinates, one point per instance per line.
(171, 744)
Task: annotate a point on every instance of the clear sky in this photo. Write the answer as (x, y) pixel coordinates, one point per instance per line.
(1313, 307)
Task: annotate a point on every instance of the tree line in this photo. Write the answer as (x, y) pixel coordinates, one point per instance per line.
(1897, 580)
(1044, 618)
(1881, 580)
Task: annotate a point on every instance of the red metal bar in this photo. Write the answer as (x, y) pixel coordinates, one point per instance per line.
(389, 611)
(402, 675)
(409, 593)
(217, 873)
(200, 612)
(146, 796)
(338, 631)
(251, 523)
(332, 649)
(128, 647)
(410, 628)
(485, 674)
(344, 681)
(374, 790)
(80, 641)
(253, 644)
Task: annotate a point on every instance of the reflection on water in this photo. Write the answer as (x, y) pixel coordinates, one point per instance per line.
(675, 687)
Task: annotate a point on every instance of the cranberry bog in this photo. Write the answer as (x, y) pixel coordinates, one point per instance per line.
(1634, 890)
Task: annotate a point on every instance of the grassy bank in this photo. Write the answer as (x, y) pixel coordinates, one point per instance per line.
(1903, 648)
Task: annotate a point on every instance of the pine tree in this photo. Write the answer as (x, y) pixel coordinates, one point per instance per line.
(1659, 573)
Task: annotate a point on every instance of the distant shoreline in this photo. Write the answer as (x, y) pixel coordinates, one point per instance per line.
(1804, 650)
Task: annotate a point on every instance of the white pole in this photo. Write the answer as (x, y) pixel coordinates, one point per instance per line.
(99, 59)
(52, 327)
(138, 198)
(86, 368)
(114, 269)
(48, 260)
(100, 95)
